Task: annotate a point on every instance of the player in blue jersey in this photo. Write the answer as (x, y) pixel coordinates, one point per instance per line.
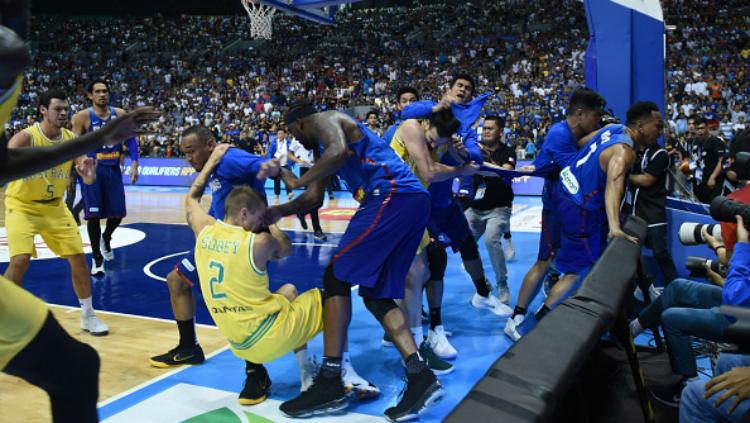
(448, 225)
(105, 198)
(560, 145)
(236, 168)
(404, 97)
(375, 252)
(589, 193)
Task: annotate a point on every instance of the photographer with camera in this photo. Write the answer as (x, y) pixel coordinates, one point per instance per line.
(707, 156)
(688, 308)
(724, 398)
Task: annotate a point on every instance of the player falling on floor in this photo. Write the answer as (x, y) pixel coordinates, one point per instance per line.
(34, 206)
(232, 257)
(375, 252)
(105, 198)
(420, 143)
(236, 168)
(33, 345)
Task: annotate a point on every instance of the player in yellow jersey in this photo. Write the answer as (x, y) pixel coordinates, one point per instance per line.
(33, 346)
(416, 142)
(231, 257)
(34, 206)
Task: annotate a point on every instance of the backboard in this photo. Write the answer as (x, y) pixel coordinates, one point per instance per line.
(320, 11)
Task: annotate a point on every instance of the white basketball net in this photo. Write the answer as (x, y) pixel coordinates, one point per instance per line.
(261, 19)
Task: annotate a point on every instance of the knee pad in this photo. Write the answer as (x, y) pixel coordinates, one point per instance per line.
(380, 307)
(469, 249)
(438, 260)
(333, 287)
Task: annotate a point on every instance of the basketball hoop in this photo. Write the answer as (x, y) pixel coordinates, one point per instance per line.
(261, 19)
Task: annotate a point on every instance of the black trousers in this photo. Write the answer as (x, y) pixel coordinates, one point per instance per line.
(656, 240)
(313, 214)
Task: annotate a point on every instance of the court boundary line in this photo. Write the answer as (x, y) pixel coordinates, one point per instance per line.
(152, 381)
(136, 316)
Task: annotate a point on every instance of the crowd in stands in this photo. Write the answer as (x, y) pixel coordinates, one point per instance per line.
(531, 57)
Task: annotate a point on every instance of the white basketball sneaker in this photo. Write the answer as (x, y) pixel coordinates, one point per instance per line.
(440, 345)
(354, 383)
(93, 325)
(97, 270)
(491, 303)
(511, 327)
(106, 250)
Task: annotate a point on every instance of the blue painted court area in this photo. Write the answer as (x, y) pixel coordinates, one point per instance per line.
(212, 388)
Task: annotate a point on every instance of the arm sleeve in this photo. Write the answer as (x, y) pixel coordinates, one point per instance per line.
(418, 110)
(271, 150)
(658, 165)
(470, 141)
(239, 166)
(737, 284)
(133, 149)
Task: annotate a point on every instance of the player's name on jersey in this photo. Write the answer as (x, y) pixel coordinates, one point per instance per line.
(223, 246)
(54, 173)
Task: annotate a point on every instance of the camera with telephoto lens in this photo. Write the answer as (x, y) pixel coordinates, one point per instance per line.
(724, 210)
(697, 266)
(691, 233)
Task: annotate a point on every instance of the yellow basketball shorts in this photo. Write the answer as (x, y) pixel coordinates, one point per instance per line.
(53, 222)
(21, 317)
(296, 323)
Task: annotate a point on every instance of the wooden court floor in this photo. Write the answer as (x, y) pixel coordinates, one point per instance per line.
(124, 351)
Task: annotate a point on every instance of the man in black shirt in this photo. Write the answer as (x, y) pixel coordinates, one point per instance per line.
(647, 198)
(707, 154)
(488, 212)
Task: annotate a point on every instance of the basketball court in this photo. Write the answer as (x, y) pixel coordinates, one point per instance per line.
(132, 298)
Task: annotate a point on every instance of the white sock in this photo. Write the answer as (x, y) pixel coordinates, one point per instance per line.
(635, 327)
(301, 357)
(418, 335)
(346, 360)
(86, 308)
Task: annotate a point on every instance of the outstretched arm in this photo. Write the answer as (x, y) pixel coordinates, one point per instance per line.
(617, 161)
(196, 217)
(27, 161)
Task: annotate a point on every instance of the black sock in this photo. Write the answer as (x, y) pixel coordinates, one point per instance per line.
(542, 312)
(415, 364)
(187, 333)
(331, 367)
(482, 286)
(519, 310)
(251, 367)
(95, 236)
(435, 317)
(112, 224)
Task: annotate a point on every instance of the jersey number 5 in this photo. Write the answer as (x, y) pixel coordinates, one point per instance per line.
(217, 280)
